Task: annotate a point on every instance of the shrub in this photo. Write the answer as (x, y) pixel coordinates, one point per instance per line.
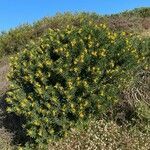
(135, 102)
(67, 76)
(13, 40)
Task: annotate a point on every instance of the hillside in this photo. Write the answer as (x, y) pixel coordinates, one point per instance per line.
(137, 22)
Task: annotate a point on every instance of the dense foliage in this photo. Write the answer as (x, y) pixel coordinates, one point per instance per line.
(68, 76)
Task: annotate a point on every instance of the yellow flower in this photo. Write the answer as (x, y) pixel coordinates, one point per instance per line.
(94, 53)
(72, 105)
(29, 113)
(36, 122)
(76, 69)
(73, 108)
(78, 78)
(80, 31)
(104, 26)
(40, 133)
(60, 70)
(90, 44)
(102, 93)
(75, 61)
(40, 65)
(101, 25)
(8, 100)
(78, 82)
(98, 106)
(81, 114)
(85, 83)
(95, 80)
(123, 33)
(103, 52)
(89, 37)
(10, 93)
(67, 54)
(48, 106)
(37, 85)
(96, 26)
(64, 108)
(29, 132)
(48, 62)
(127, 41)
(11, 58)
(68, 26)
(46, 120)
(26, 78)
(85, 50)
(39, 90)
(69, 83)
(24, 103)
(112, 64)
(90, 22)
(20, 148)
(54, 112)
(61, 49)
(33, 104)
(93, 68)
(146, 67)
(73, 43)
(86, 103)
(51, 131)
(8, 109)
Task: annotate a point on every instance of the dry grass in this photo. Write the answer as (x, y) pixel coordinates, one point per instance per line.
(146, 33)
(103, 135)
(5, 140)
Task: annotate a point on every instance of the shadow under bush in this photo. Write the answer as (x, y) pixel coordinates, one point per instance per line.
(12, 123)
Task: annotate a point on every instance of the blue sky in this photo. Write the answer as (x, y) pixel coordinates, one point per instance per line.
(17, 12)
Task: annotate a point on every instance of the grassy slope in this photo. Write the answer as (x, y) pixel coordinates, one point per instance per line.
(39, 28)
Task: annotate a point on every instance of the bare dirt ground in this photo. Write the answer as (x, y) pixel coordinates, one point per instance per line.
(5, 135)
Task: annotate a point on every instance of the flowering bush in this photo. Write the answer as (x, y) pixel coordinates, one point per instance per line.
(68, 76)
